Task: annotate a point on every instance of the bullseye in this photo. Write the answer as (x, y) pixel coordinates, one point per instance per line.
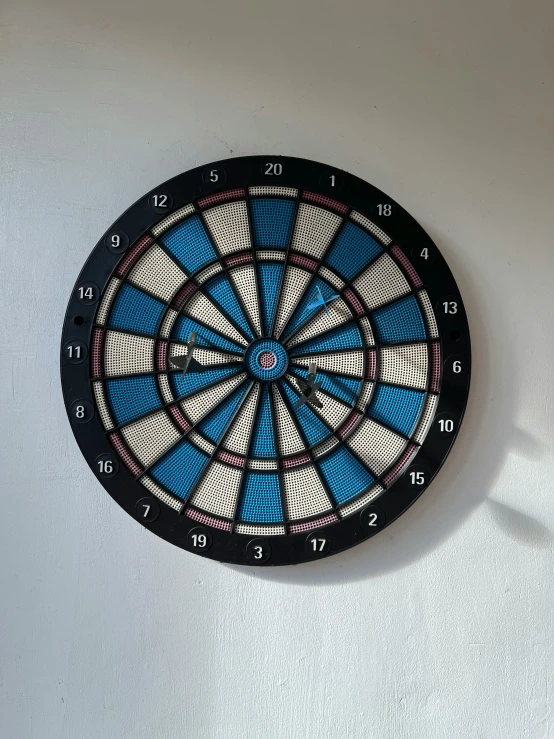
(267, 360)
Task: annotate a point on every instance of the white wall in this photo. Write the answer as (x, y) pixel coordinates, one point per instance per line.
(442, 625)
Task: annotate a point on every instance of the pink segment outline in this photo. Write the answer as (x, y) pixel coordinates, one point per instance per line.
(179, 418)
(132, 255)
(184, 293)
(296, 528)
(298, 459)
(124, 454)
(96, 353)
(353, 301)
(349, 424)
(408, 267)
(301, 261)
(235, 459)
(371, 364)
(326, 202)
(238, 259)
(160, 356)
(435, 379)
(405, 458)
(204, 518)
(221, 197)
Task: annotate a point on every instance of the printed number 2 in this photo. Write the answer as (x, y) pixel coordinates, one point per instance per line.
(273, 168)
(159, 201)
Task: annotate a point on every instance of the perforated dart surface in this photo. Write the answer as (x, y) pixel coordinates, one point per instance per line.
(270, 278)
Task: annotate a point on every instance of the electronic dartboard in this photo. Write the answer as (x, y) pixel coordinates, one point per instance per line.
(265, 360)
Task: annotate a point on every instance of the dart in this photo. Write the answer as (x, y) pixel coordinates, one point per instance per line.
(187, 362)
(309, 389)
(321, 301)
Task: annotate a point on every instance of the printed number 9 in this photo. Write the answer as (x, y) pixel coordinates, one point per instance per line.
(199, 540)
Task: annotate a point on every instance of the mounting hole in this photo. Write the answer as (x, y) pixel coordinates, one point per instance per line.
(78, 320)
(455, 336)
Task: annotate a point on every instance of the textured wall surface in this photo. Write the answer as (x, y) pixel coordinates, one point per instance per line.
(442, 626)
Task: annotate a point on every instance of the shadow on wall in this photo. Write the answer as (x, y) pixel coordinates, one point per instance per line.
(487, 437)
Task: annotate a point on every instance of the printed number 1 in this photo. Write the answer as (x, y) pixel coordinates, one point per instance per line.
(318, 545)
(159, 201)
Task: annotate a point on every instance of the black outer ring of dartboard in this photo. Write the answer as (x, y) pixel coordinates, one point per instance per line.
(356, 193)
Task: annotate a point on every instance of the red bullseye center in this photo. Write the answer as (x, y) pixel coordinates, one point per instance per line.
(267, 360)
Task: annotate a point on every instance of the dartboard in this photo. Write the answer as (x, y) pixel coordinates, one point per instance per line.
(265, 360)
